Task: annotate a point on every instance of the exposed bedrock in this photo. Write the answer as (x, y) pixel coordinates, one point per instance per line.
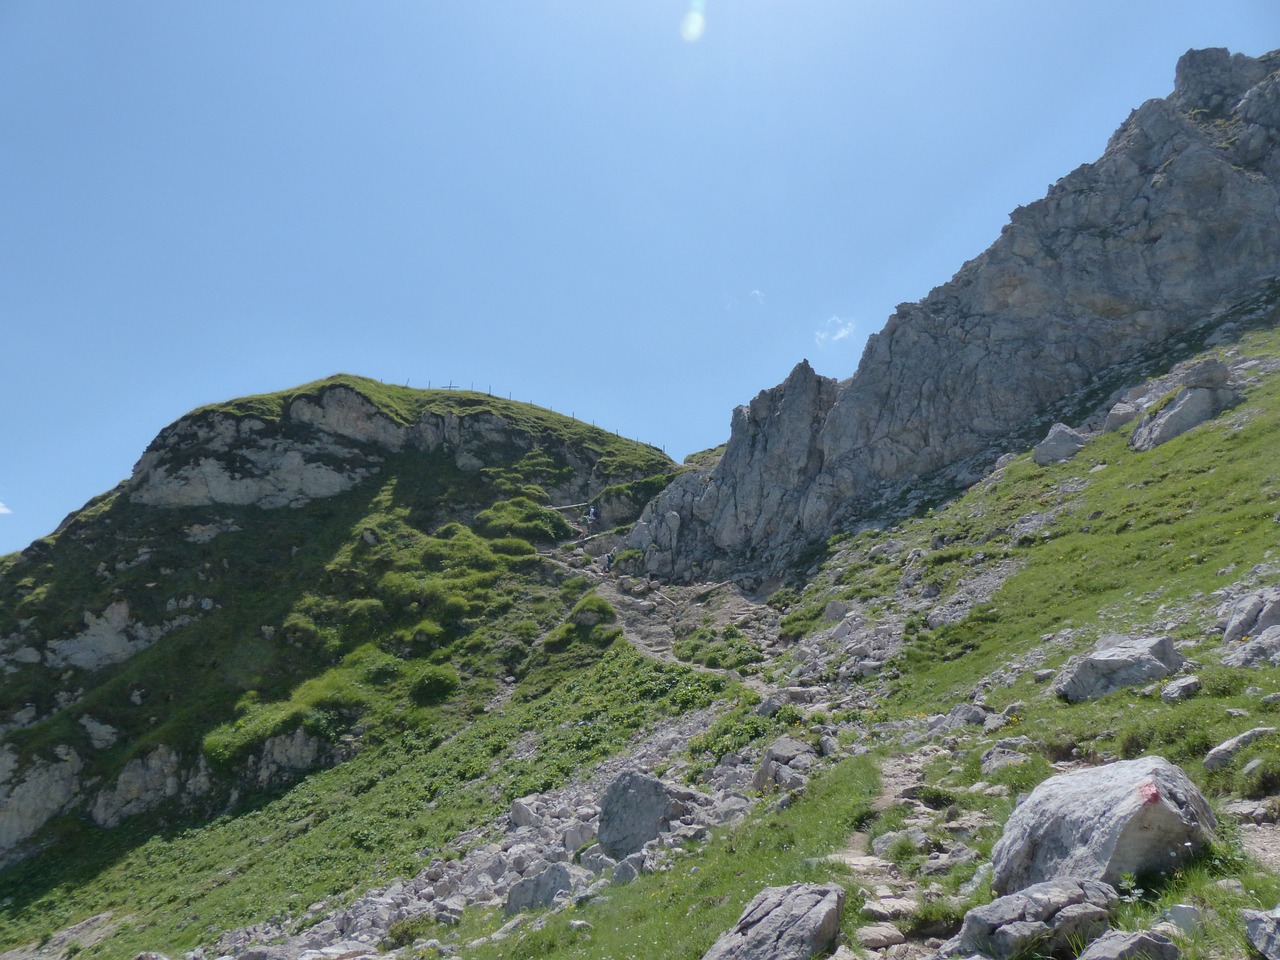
(1178, 219)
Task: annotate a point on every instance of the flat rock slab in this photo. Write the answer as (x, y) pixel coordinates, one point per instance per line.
(890, 908)
(877, 936)
(1136, 816)
(783, 923)
(1128, 945)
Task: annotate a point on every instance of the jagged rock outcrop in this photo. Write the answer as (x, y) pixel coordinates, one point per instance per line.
(1177, 220)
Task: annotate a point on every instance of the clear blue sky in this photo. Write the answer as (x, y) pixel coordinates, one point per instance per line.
(608, 208)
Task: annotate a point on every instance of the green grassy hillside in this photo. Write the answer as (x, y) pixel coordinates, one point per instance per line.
(423, 627)
(414, 627)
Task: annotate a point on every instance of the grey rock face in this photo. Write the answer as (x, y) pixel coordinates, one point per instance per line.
(1062, 443)
(1121, 256)
(1135, 816)
(633, 812)
(1140, 945)
(1263, 931)
(45, 790)
(783, 923)
(1046, 916)
(1117, 662)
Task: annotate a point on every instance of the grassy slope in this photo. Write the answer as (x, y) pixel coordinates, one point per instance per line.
(1137, 545)
(387, 626)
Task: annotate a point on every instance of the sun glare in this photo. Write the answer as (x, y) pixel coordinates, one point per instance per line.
(694, 23)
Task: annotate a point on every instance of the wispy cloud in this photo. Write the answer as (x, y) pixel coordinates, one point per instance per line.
(4, 509)
(757, 296)
(833, 331)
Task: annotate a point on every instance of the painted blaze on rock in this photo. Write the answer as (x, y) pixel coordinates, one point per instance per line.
(1135, 817)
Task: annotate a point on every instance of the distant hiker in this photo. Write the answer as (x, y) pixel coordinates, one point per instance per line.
(608, 562)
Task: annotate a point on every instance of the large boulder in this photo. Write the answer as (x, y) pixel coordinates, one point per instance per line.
(635, 810)
(1263, 931)
(783, 923)
(1117, 662)
(1133, 817)
(1048, 917)
(1061, 443)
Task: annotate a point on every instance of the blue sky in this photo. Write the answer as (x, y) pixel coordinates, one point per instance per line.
(640, 212)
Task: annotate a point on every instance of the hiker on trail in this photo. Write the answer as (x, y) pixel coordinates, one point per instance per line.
(608, 562)
(588, 519)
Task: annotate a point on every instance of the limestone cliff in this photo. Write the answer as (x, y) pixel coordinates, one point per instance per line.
(324, 444)
(1178, 219)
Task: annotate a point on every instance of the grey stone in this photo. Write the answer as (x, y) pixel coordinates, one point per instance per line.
(877, 936)
(1263, 931)
(1184, 688)
(783, 923)
(1222, 755)
(1203, 396)
(541, 890)
(633, 812)
(1049, 916)
(1126, 945)
(1117, 662)
(1252, 614)
(1121, 414)
(1135, 816)
(1262, 651)
(1061, 443)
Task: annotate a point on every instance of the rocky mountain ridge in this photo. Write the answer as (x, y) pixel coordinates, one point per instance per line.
(1176, 222)
(547, 754)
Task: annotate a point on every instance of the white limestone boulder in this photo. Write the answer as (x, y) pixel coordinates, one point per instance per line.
(1133, 817)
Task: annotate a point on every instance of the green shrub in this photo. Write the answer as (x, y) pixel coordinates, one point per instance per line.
(436, 682)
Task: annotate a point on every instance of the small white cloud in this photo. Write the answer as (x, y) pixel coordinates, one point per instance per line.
(4, 509)
(833, 331)
(757, 296)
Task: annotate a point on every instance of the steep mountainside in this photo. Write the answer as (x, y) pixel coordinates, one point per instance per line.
(284, 579)
(1179, 220)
